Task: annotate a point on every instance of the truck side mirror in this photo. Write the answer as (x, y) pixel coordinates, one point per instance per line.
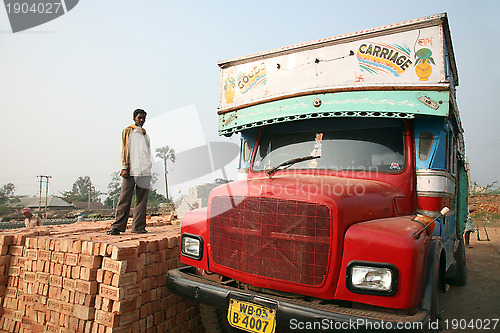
(444, 211)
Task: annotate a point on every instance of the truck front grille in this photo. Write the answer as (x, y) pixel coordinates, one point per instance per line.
(281, 239)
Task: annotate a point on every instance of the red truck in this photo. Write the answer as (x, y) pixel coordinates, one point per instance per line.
(352, 197)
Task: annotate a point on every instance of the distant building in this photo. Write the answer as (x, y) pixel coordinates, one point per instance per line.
(197, 197)
(478, 189)
(85, 205)
(53, 203)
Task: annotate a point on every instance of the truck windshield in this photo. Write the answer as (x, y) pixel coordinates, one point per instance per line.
(373, 145)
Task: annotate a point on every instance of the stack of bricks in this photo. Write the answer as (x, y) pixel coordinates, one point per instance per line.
(75, 278)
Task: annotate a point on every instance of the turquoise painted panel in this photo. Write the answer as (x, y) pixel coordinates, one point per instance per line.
(251, 137)
(438, 159)
(386, 104)
(427, 125)
(463, 198)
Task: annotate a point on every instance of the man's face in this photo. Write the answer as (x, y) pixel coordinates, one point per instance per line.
(140, 119)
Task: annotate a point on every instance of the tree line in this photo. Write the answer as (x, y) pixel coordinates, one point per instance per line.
(83, 190)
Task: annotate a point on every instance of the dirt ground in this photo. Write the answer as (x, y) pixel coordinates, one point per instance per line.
(466, 309)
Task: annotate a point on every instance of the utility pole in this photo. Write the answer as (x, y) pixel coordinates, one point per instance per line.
(46, 193)
(166, 184)
(40, 195)
(91, 187)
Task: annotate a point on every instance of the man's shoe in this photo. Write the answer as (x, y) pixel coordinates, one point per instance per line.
(113, 232)
(141, 231)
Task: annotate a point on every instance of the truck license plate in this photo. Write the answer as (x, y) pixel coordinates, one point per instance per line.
(251, 317)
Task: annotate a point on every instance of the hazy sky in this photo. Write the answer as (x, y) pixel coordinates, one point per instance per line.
(68, 87)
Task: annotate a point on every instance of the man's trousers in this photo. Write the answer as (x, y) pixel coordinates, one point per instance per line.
(141, 185)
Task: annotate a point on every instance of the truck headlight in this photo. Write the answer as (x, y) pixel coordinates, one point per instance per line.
(192, 246)
(372, 278)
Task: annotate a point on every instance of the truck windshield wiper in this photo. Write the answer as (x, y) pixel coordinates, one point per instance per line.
(288, 164)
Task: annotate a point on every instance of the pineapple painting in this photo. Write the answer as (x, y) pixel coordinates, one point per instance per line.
(422, 66)
(229, 92)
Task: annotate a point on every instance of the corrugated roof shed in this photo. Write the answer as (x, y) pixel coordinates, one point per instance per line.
(52, 202)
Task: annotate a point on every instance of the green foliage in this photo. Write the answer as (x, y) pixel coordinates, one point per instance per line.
(80, 191)
(229, 83)
(154, 178)
(4, 209)
(493, 188)
(166, 154)
(485, 216)
(490, 189)
(155, 198)
(114, 189)
(422, 55)
(6, 192)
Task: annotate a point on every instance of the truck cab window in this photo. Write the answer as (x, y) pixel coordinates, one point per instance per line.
(346, 145)
(247, 150)
(426, 139)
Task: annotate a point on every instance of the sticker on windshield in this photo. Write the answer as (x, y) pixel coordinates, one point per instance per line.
(313, 164)
(317, 145)
(395, 166)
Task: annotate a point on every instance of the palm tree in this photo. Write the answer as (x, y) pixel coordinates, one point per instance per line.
(166, 153)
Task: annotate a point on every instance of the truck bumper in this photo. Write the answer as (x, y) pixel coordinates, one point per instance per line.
(185, 282)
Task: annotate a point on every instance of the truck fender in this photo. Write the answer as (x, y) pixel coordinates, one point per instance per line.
(434, 277)
(195, 223)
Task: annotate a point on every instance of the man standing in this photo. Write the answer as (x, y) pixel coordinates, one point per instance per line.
(136, 163)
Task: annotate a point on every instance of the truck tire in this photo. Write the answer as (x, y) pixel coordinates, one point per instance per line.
(460, 279)
(434, 286)
(215, 320)
(435, 325)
